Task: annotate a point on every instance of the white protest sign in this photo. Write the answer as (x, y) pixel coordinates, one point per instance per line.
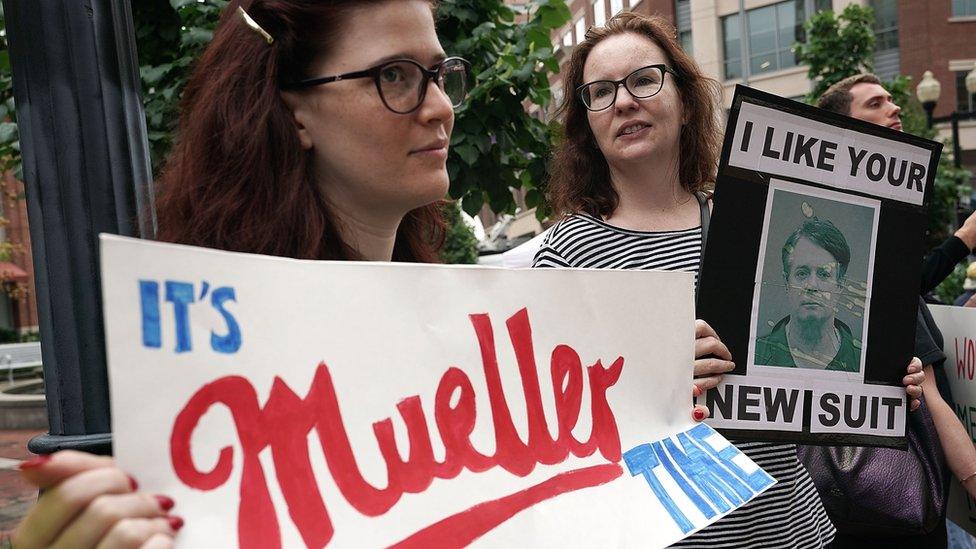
(294, 403)
(958, 327)
(776, 142)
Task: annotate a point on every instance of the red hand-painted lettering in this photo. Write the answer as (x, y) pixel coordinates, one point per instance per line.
(285, 421)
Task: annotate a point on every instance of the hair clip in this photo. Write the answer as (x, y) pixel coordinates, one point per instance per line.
(254, 25)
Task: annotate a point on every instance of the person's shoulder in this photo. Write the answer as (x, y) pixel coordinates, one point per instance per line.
(567, 231)
(562, 239)
(772, 348)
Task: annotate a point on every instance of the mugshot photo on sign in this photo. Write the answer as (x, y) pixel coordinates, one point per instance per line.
(814, 280)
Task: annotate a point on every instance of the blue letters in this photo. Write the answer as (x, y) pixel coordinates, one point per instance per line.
(642, 461)
(149, 298)
(180, 294)
(698, 470)
(757, 480)
(231, 342)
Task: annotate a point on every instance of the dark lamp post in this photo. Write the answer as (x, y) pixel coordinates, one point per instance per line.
(928, 91)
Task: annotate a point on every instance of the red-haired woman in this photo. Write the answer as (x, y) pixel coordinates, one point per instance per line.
(629, 179)
(276, 154)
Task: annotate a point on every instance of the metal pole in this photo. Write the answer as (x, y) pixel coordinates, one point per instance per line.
(956, 147)
(86, 169)
(744, 44)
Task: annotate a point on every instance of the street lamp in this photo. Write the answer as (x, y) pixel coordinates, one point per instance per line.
(928, 91)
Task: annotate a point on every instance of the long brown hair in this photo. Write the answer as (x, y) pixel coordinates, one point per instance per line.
(579, 174)
(237, 177)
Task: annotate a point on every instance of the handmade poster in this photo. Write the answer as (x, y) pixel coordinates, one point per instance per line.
(354, 404)
(958, 327)
(807, 276)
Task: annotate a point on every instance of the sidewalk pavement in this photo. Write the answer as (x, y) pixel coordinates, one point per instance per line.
(16, 496)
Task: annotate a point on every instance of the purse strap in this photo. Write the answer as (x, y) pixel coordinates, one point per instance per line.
(706, 216)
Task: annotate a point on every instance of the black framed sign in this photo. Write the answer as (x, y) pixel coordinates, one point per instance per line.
(812, 272)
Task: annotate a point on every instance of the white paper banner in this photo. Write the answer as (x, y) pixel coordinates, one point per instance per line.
(776, 142)
(295, 403)
(958, 327)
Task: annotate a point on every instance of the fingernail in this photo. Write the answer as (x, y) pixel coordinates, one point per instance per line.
(698, 414)
(34, 462)
(132, 483)
(696, 390)
(175, 523)
(165, 503)
(731, 366)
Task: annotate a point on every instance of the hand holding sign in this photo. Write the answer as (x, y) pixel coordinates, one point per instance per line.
(88, 502)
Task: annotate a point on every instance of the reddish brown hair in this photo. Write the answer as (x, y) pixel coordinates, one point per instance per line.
(237, 178)
(580, 177)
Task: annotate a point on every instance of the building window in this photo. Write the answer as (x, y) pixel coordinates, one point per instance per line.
(964, 101)
(821, 5)
(732, 47)
(886, 24)
(771, 31)
(568, 39)
(962, 8)
(616, 6)
(682, 10)
(599, 13)
(580, 30)
(684, 38)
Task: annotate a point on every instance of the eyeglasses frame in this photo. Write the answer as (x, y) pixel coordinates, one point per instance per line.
(623, 81)
(374, 72)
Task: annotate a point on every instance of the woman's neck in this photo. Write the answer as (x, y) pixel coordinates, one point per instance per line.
(651, 196)
(374, 241)
(368, 230)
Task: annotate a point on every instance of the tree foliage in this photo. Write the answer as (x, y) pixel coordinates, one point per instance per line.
(837, 46)
(9, 137)
(497, 145)
(170, 34)
(460, 246)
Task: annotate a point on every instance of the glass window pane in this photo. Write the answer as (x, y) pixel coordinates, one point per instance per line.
(568, 39)
(964, 101)
(580, 30)
(733, 69)
(685, 38)
(762, 30)
(963, 7)
(765, 62)
(820, 5)
(731, 47)
(616, 6)
(599, 13)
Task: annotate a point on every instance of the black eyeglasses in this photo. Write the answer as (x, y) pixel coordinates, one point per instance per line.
(643, 83)
(402, 83)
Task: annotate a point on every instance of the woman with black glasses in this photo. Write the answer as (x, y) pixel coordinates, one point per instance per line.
(630, 179)
(310, 129)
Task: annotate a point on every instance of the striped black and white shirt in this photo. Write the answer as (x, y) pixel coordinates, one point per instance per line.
(790, 513)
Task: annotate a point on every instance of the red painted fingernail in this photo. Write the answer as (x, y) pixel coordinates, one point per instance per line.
(34, 462)
(133, 484)
(698, 415)
(696, 391)
(165, 503)
(175, 523)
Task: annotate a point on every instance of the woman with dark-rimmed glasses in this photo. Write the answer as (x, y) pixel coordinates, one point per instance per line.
(630, 179)
(309, 129)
